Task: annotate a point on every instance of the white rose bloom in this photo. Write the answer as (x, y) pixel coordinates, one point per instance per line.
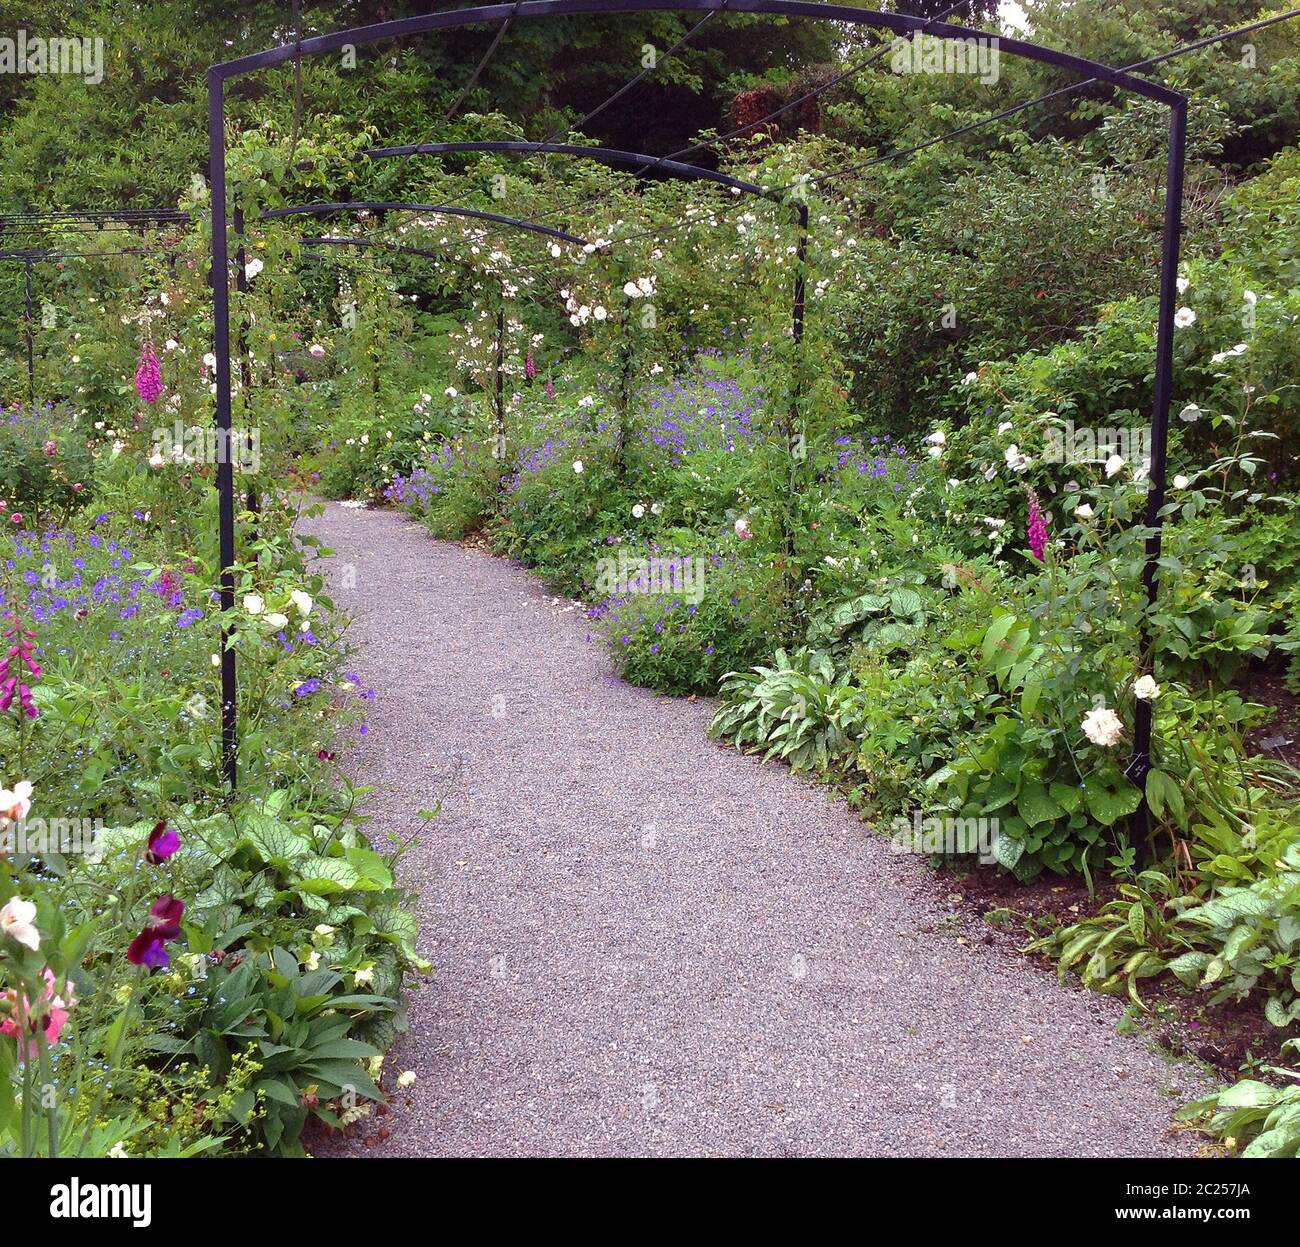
(1016, 459)
(1114, 465)
(1181, 482)
(1103, 726)
(577, 466)
(253, 603)
(252, 268)
(1083, 511)
(1190, 413)
(302, 601)
(638, 511)
(1184, 317)
(1145, 688)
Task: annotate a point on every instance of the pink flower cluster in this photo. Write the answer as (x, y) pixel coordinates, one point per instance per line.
(49, 1014)
(148, 378)
(19, 653)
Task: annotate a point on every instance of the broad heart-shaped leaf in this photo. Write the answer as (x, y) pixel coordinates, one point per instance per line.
(324, 875)
(271, 840)
(1279, 1014)
(1106, 804)
(1036, 806)
(397, 925)
(1007, 850)
(1065, 796)
(904, 602)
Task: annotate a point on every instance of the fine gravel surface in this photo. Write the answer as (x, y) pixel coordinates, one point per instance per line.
(644, 943)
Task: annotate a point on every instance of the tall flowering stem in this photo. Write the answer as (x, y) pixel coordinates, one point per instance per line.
(16, 666)
(1036, 530)
(148, 377)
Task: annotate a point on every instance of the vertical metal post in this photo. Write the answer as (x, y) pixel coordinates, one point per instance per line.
(499, 437)
(27, 318)
(1140, 764)
(225, 469)
(245, 368)
(796, 445)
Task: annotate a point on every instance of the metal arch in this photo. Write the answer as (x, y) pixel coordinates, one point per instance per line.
(902, 25)
(611, 155)
(385, 206)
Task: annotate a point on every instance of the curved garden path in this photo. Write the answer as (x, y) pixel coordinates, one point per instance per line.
(644, 943)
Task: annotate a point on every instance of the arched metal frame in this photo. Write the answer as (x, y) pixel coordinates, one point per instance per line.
(29, 258)
(678, 171)
(902, 25)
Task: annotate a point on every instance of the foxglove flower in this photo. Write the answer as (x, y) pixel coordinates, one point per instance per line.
(1036, 532)
(148, 378)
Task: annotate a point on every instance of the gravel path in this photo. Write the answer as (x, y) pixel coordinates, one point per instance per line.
(646, 944)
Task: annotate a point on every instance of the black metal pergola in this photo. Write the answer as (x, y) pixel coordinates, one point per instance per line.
(96, 223)
(503, 14)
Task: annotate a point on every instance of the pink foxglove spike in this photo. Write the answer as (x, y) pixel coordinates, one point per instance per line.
(148, 377)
